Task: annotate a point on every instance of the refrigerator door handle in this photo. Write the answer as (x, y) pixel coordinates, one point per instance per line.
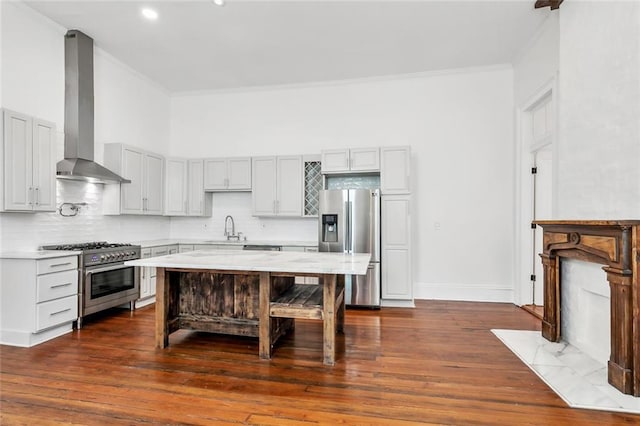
(347, 223)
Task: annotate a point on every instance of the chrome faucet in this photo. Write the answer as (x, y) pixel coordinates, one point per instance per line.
(230, 235)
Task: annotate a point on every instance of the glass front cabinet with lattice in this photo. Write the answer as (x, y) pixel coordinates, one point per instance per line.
(312, 184)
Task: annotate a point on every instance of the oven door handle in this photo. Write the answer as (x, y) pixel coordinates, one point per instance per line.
(107, 268)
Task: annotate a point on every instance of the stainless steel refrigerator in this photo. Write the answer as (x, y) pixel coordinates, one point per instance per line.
(349, 222)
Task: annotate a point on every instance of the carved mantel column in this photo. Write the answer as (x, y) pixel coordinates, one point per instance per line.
(551, 318)
(615, 245)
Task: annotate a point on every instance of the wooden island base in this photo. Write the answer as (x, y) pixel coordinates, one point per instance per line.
(247, 303)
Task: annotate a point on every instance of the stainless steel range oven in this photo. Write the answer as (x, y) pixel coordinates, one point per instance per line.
(104, 280)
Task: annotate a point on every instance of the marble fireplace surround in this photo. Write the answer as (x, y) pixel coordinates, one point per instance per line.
(613, 243)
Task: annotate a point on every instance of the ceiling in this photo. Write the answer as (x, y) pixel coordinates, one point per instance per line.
(198, 46)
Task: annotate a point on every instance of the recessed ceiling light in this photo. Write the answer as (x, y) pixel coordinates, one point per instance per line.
(218, 2)
(150, 14)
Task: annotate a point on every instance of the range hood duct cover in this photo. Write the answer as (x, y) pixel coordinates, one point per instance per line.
(78, 161)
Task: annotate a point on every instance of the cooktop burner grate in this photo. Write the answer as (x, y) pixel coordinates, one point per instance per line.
(93, 245)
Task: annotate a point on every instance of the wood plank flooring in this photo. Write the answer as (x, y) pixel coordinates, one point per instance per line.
(436, 364)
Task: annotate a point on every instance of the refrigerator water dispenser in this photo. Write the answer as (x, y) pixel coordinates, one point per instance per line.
(329, 228)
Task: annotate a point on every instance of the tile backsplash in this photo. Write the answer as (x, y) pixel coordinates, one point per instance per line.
(353, 182)
(238, 205)
(28, 231)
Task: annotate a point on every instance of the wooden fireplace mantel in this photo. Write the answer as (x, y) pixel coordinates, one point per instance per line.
(615, 244)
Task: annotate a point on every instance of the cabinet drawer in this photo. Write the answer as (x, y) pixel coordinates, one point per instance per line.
(56, 285)
(159, 251)
(56, 264)
(56, 312)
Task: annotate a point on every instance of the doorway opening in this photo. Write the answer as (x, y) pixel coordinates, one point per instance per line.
(537, 130)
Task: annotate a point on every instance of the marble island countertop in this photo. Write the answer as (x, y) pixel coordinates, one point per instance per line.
(262, 261)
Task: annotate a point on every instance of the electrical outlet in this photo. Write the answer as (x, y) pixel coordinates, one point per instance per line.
(436, 226)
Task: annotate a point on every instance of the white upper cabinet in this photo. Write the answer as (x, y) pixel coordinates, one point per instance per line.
(351, 160)
(154, 179)
(263, 195)
(144, 195)
(176, 187)
(198, 203)
(227, 174)
(395, 170)
(184, 188)
(29, 163)
(335, 160)
(277, 186)
(289, 186)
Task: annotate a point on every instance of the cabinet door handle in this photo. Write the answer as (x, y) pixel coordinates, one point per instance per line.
(56, 265)
(37, 196)
(30, 196)
(59, 312)
(61, 285)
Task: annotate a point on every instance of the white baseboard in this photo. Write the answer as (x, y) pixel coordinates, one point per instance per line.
(388, 303)
(27, 339)
(463, 292)
(144, 302)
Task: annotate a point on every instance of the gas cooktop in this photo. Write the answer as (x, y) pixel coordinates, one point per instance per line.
(93, 245)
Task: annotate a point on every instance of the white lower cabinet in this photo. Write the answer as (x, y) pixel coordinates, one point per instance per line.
(397, 282)
(148, 275)
(183, 248)
(38, 299)
(217, 246)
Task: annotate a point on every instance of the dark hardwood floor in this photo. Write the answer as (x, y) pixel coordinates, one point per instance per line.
(436, 364)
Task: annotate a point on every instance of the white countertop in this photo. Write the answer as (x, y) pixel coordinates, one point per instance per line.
(37, 254)
(264, 261)
(167, 242)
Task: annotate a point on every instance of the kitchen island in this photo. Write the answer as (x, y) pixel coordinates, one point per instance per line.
(251, 293)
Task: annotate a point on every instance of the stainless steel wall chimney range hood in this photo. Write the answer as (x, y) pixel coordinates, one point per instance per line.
(78, 161)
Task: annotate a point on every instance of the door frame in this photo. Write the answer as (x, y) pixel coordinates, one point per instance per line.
(524, 189)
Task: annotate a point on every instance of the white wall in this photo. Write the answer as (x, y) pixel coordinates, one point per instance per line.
(128, 109)
(459, 126)
(537, 62)
(598, 144)
(32, 63)
(599, 131)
